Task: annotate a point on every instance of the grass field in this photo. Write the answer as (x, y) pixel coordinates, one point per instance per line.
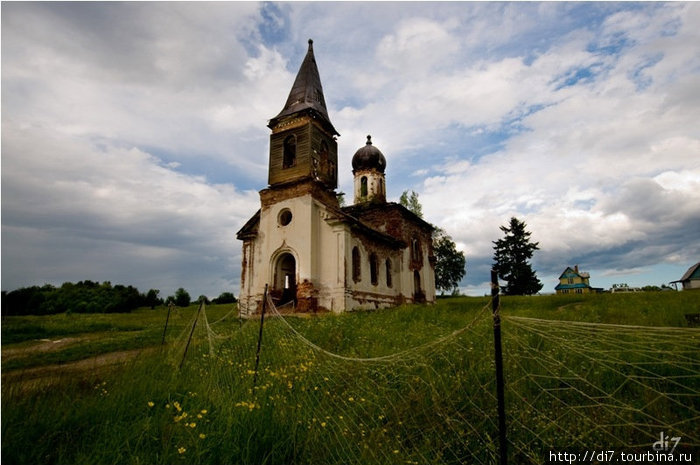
(406, 385)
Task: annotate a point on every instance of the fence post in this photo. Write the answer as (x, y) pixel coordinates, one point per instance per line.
(260, 335)
(167, 318)
(496, 305)
(191, 333)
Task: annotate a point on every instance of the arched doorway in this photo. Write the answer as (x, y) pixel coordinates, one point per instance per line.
(418, 294)
(285, 278)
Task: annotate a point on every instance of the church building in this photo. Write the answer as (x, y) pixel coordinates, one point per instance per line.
(313, 254)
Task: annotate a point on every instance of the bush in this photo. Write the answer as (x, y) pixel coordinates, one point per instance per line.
(225, 298)
(182, 298)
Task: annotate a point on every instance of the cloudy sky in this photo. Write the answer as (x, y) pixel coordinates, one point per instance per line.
(134, 136)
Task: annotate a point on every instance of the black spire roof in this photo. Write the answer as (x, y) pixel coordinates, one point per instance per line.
(306, 95)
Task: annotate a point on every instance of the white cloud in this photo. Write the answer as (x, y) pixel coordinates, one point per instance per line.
(115, 199)
(604, 168)
(129, 129)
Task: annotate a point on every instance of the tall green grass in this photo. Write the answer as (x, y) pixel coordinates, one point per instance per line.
(434, 405)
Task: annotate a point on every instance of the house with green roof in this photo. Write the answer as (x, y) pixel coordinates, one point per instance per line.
(573, 281)
(691, 278)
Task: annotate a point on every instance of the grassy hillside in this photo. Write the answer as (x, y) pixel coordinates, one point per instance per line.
(408, 385)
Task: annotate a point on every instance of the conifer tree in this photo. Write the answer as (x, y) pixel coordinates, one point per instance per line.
(511, 257)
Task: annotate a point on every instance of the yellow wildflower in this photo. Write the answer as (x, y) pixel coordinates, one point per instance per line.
(150, 404)
(181, 450)
(202, 435)
(193, 425)
(204, 412)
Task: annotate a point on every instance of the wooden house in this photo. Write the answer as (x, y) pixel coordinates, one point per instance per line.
(573, 281)
(691, 278)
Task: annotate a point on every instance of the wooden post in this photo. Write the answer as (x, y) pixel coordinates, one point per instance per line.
(260, 335)
(496, 305)
(167, 318)
(191, 333)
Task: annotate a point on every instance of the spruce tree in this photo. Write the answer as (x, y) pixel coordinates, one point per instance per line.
(511, 257)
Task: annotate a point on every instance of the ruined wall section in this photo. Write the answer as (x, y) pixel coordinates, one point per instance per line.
(367, 293)
(417, 255)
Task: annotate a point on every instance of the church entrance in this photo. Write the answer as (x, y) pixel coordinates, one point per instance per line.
(418, 294)
(285, 287)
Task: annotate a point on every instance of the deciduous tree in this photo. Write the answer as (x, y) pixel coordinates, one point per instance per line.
(182, 298)
(411, 202)
(449, 262)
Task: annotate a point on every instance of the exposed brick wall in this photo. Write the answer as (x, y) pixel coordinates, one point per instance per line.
(274, 195)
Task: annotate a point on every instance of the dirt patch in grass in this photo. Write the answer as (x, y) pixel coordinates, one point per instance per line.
(42, 377)
(38, 346)
(571, 306)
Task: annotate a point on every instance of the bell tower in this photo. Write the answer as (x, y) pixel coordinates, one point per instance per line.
(303, 141)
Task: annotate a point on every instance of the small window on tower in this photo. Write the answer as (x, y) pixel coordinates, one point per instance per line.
(324, 156)
(363, 186)
(290, 152)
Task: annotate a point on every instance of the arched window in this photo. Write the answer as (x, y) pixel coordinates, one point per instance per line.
(415, 251)
(363, 186)
(356, 267)
(290, 152)
(388, 272)
(374, 269)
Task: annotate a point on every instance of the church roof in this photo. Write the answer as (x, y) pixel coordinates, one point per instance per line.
(306, 94)
(250, 229)
(368, 157)
(363, 210)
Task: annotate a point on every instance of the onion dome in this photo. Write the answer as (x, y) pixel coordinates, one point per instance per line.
(368, 158)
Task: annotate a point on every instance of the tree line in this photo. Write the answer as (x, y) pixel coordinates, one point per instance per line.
(91, 297)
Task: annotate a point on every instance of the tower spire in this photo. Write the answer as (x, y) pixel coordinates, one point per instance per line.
(306, 94)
